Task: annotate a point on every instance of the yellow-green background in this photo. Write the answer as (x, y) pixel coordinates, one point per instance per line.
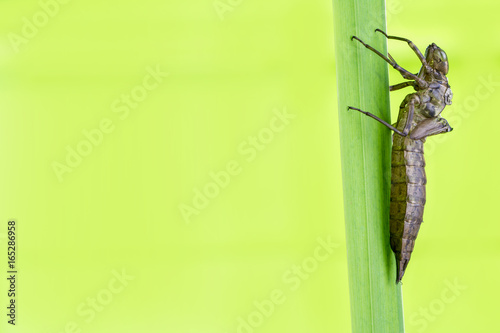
(119, 209)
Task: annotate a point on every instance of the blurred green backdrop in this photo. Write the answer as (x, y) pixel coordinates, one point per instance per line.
(173, 166)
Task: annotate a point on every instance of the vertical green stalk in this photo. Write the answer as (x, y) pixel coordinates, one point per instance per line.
(362, 81)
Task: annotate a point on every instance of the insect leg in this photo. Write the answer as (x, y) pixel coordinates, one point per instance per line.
(404, 73)
(383, 122)
(409, 102)
(409, 120)
(402, 85)
(430, 126)
(391, 62)
(410, 43)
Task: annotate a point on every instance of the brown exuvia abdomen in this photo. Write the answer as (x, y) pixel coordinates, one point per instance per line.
(407, 198)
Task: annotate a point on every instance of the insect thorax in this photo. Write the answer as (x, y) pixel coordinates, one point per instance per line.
(434, 98)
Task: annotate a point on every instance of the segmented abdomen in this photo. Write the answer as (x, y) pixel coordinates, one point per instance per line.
(407, 197)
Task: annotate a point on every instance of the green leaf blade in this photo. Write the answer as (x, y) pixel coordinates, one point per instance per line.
(362, 81)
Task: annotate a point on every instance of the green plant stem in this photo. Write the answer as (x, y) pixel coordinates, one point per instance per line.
(362, 81)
